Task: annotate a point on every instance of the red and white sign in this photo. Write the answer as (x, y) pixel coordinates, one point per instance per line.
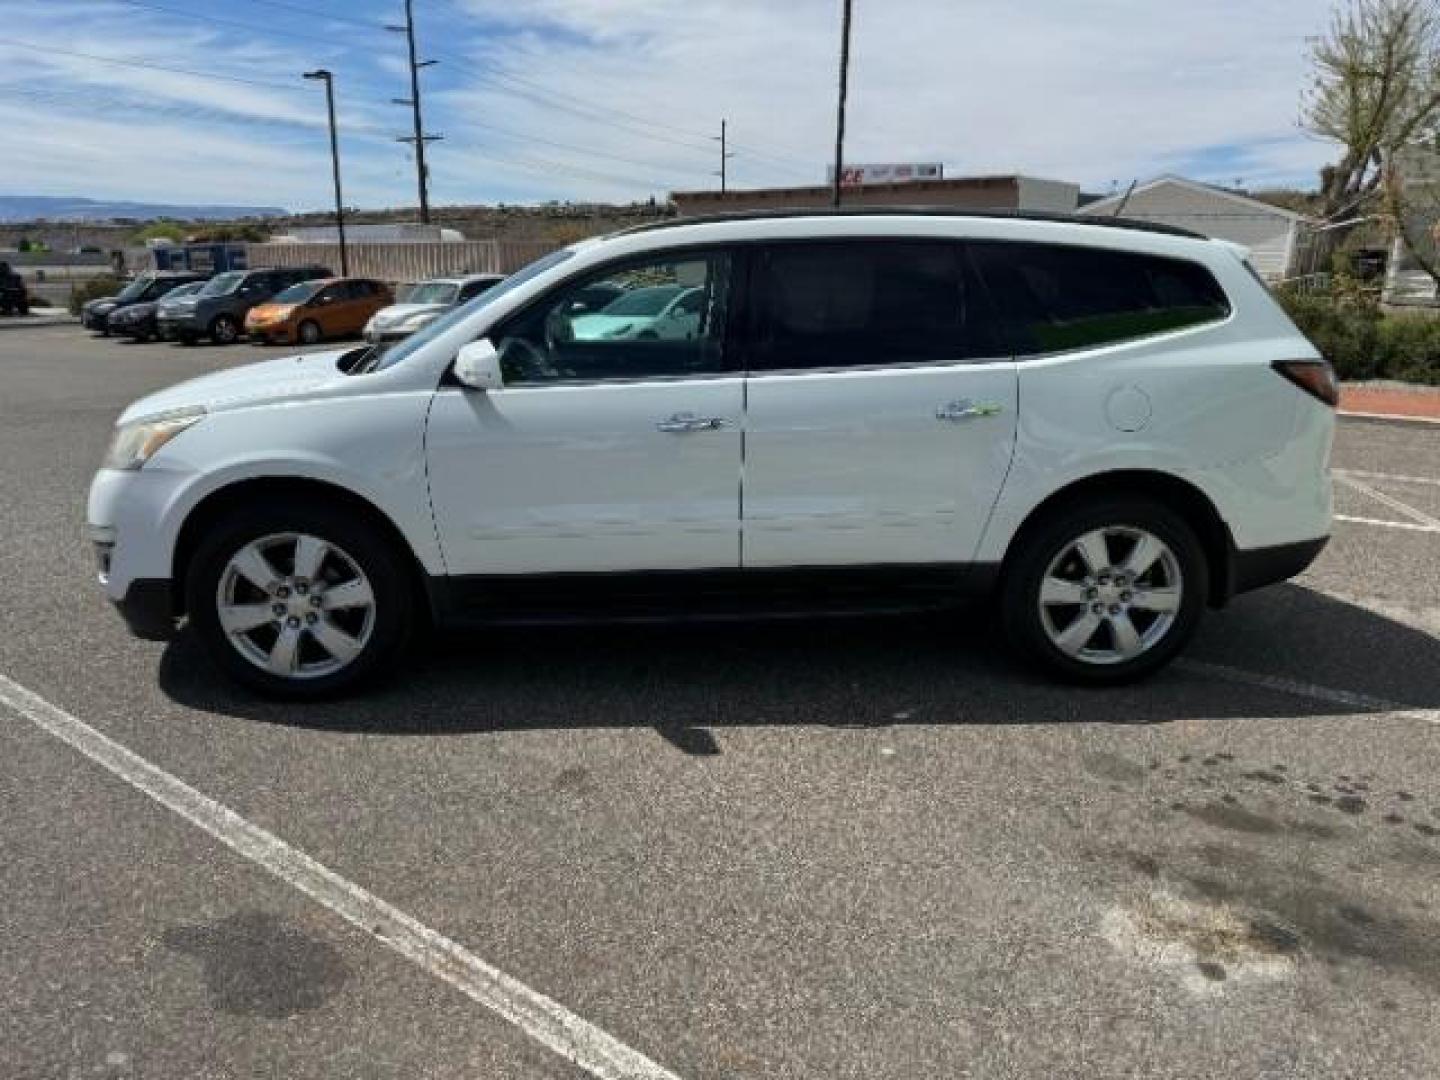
(902, 173)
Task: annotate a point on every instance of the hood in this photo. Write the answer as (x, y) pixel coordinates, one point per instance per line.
(594, 327)
(288, 378)
(389, 316)
(137, 310)
(188, 300)
(101, 304)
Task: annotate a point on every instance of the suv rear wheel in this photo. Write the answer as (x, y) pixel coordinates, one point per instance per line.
(299, 601)
(1105, 593)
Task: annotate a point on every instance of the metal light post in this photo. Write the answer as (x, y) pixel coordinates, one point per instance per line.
(840, 110)
(322, 75)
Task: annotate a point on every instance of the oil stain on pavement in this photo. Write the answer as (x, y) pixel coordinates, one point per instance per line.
(1253, 907)
(254, 964)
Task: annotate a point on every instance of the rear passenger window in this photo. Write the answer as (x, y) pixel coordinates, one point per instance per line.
(863, 304)
(1055, 297)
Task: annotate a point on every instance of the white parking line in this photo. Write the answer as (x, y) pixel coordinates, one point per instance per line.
(544, 1020)
(1418, 516)
(1326, 694)
(1385, 524)
(1393, 478)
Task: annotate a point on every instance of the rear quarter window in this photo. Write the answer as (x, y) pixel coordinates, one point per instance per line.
(1057, 298)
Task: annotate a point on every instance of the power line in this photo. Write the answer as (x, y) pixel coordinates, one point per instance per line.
(311, 13)
(147, 65)
(218, 21)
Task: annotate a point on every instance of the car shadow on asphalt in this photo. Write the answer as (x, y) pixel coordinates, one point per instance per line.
(684, 680)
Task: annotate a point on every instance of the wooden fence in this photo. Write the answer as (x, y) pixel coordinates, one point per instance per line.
(409, 261)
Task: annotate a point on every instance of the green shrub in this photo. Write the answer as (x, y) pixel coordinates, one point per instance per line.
(93, 289)
(1347, 332)
(1408, 348)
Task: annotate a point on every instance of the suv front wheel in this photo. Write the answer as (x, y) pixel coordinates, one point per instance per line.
(1105, 593)
(298, 601)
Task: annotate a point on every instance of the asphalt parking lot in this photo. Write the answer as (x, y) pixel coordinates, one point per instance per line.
(864, 849)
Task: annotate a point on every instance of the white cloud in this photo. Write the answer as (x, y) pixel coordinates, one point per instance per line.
(632, 90)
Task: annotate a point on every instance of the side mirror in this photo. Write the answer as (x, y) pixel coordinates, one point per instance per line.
(478, 366)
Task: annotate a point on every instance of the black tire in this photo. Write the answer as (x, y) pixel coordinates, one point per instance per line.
(224, 330)
(186, 338)
(308, 332)
(1045, 541)
(370, 550)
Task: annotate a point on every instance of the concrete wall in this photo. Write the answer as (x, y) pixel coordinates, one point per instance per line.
(405, 262)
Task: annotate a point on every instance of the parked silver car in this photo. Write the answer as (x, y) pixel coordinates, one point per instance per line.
(425, 301)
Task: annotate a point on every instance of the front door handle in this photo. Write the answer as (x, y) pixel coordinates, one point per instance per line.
(685, 421)
(965, 409)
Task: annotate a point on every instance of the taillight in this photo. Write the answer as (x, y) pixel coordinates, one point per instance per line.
(1315, 377)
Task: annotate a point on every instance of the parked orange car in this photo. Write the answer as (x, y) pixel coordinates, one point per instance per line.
(311, 310)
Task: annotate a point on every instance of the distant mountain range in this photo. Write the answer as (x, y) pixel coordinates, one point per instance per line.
(67, 208)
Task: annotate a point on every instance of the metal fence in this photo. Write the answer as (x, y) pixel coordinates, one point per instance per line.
(410, 261)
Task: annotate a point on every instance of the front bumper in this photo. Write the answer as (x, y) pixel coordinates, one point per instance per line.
(95, 320)
(174, 326)
(148, 608)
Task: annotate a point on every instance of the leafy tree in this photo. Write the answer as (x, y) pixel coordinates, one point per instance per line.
(1376, 89)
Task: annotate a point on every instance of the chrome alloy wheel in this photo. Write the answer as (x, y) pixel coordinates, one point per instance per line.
(295, 606)
(1110, 595)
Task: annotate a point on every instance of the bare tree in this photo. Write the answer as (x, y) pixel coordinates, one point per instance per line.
(1376, 88)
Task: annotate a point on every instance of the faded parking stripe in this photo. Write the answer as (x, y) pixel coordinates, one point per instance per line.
(543, 1019)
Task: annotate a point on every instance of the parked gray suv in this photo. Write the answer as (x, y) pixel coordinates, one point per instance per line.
(218, 310)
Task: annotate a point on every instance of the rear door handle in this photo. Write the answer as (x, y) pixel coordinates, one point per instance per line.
(965, 409)
(686, 421)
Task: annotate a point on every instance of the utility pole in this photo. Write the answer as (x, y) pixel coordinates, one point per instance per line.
(328, 79)
(840, 111)
(724, 156)
(419, 138)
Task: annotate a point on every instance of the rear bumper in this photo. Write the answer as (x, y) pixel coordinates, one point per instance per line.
(1258, 567)
(148, 608)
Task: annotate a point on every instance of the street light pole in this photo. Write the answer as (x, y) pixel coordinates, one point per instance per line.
(328, 79)
(840, 111)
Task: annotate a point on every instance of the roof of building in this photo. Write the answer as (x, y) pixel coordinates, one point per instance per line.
(916, 211)
(1255, 205)
(953, 183)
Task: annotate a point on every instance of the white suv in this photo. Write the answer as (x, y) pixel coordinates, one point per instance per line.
(1108, 426)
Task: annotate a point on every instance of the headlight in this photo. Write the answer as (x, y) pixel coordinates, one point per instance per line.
(135, 444)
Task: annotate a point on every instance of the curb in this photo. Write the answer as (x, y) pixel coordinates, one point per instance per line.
(33, 324)
(1393, 418)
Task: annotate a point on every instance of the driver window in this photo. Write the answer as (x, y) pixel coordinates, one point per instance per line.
(658, 319)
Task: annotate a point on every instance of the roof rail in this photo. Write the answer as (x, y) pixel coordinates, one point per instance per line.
(915, 211)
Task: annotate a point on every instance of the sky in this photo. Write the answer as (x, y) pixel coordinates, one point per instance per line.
(612, 100)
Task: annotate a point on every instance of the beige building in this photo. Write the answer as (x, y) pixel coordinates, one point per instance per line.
(1276, 237)
(961, 193)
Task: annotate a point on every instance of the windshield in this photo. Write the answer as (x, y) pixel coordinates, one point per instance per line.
(389, 357)
(135, 289)
(433, 292)
(642, 302)
(223, 284)
(297, 294)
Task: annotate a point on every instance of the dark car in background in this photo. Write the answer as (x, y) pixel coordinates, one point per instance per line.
(138, 321)
(218, 310)
(146, 288)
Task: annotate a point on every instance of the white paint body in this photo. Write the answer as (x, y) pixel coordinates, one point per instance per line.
(818, 468)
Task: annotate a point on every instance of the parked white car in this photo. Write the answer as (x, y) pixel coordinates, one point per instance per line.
(654, 311)
(424, 303)
(1109, 426)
